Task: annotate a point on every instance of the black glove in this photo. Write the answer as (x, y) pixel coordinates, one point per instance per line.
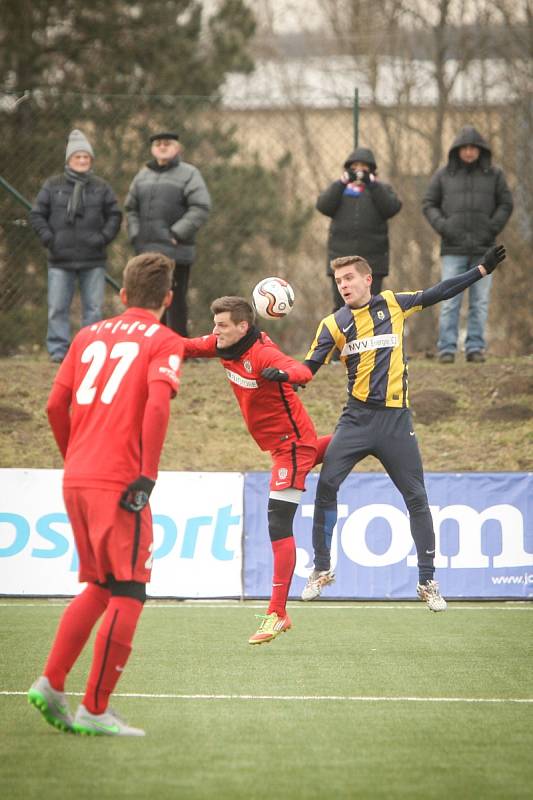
(274, 374)
(351, 175)
(493, 257)
(366, 178)
(136, 496)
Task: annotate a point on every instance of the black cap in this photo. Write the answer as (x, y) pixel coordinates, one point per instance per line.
(164, 135)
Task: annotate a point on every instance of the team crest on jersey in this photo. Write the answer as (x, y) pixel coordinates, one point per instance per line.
(381, 315)
(282, 473)
(247, 366)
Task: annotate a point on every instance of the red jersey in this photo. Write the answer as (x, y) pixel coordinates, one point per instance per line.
(108, 371)
(273, 412)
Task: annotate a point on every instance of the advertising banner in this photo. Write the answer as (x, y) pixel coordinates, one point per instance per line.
(483, 524)
(484, 537)
(197, 535)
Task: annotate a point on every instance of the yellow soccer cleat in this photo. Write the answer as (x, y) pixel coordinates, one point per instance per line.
(270, 627)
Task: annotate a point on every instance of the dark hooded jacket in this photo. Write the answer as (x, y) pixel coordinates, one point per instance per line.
(167, 203)
(468, 204)
(359, 222)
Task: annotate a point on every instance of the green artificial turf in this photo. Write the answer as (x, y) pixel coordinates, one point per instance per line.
(293, 718)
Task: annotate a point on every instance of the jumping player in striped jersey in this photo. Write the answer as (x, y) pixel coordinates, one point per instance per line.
(368, 332)
(261, 377)
(108, 410)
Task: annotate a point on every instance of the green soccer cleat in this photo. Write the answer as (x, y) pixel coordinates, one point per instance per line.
(52, 705)
(316, 582)
(271, 626)
(430, 594)
(107, 724)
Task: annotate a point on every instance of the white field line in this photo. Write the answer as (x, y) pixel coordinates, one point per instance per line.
(305, 698)
(513, 605)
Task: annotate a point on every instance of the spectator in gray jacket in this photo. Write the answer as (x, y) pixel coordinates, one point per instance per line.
(75, 216)
(166, 205)
(360, 206)
(468, 204)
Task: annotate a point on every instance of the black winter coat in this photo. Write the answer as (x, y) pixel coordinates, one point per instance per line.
(359, 224)
(468, 204)
(82, 243)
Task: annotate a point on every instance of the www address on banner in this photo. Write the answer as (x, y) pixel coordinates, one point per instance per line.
(526, 578)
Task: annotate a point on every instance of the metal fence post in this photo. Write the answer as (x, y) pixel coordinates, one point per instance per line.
(356, 119)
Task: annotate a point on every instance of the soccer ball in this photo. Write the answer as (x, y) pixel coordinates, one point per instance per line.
(273, 298)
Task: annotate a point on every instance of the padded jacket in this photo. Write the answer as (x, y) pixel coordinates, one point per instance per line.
(80, 244)
(165, 203)
(359, 223)
(468, 205)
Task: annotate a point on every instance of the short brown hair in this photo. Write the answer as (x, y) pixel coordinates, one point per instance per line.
(239, 309)
(361, 264)
(147, 279)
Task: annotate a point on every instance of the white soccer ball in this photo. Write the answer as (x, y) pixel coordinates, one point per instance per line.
(273, 298)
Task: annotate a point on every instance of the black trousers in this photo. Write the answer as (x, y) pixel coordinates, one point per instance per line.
(387, 434)
(176, 314)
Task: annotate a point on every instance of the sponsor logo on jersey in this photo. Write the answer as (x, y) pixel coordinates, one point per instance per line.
(370, 343)
(246, 383)
(247, 365)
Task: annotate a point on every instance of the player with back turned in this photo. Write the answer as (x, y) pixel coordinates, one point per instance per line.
(368, 332)
(108, 409)
(261, 375)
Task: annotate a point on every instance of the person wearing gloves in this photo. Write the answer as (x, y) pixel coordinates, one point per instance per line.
(76, 217)
(167, 203)
(359, 206)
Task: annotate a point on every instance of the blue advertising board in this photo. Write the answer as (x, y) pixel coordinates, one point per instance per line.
(483, 525)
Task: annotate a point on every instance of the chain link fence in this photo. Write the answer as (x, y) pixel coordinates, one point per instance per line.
(264, 169)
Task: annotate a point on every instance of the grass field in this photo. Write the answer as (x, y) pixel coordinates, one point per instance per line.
(378, 700)
(468, 417)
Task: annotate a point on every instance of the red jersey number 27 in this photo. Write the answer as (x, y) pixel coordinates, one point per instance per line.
(96, 355)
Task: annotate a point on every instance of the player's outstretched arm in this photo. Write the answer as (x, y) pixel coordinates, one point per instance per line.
(200, 347)
(278, 367)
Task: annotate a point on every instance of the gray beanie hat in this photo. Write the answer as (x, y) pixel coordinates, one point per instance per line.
(77, 141)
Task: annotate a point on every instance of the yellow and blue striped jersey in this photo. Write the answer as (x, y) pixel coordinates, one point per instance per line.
(370, 341)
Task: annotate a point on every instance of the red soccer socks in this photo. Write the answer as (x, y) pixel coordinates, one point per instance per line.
(284, 551)
(111, 651)
(74, 629)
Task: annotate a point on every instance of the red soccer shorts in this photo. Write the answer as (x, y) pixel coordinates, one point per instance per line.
(291, 463)
(110, 540)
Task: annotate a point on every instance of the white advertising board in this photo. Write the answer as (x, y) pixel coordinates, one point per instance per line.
(197, 535)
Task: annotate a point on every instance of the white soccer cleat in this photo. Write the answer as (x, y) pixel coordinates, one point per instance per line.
(107, 724)
(430, 594)
(316, 582)
(51, 703)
